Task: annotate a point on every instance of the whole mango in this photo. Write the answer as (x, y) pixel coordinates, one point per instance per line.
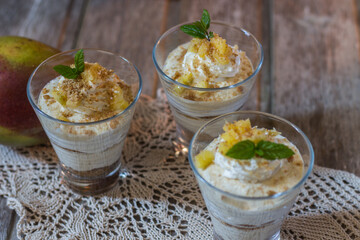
(19, 57)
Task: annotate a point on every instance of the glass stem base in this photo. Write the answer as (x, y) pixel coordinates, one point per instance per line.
(89, 185)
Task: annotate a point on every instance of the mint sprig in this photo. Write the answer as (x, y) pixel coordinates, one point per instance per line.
(72, 73)
(199, 29)
(269, 150)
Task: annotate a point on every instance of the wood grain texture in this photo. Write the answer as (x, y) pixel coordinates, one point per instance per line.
(49, 21)
(71, 24)
(5, 219)
(317, 76)
(37, 19)
(250, 15)
(129, 28)
(13, 234)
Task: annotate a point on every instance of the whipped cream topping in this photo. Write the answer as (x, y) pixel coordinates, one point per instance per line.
(255, 169)
(252, 170)
(201, 68)
(97, 95)
(252, 177)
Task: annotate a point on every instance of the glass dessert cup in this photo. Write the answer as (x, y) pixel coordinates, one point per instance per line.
(189, 114)
(89, 153)
(243, 217)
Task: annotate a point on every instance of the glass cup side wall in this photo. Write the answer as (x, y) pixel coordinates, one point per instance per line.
(89, 153)
(190, 115)
(240, 217)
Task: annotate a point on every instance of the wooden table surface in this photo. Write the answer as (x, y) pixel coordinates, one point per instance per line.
(311, 71)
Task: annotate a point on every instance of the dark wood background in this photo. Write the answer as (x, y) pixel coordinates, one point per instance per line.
(311, 71)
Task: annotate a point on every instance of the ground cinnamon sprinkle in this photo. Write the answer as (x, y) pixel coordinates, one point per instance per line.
(97, 94)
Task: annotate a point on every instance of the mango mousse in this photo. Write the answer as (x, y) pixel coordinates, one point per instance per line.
(88, 96)
(95, 95)
(204, 63)
(250, 161)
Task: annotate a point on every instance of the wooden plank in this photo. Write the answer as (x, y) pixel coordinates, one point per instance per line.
(5, 219)
(71, 24)
(13, 234)
(317, 76)
(129, 28)
(50, 22)
(13, 15)
(47, 21)
(264, 87)
(250, 15)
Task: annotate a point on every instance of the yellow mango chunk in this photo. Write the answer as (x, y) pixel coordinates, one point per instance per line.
(59, 97)
(118, 102)
(195, 44)
(186, 79)
(216, 48)
(202, 84)
(234, 133)
(204, 159)
(91, 72)
(204, 49)
(178, 90)
(62, 118)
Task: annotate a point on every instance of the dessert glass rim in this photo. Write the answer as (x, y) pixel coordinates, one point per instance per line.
(277, 195)
(34, 105)
(169, 79)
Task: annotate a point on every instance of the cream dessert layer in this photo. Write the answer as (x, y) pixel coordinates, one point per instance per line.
(255, 177)
(208, 64)
(96, 95)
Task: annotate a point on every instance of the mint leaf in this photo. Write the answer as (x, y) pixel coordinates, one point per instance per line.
(199, 29)
(193, 30)
(72, 73)
(200, 26)
(242, 150)
(66, 71)
(79, 61)
(272, 151)
(265, 149)
(205, 19)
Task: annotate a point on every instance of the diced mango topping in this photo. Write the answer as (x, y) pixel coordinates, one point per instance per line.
(98, 91)
(178, 90)
(216, 49)
(59, 97)
(118, 101)
(234, 133)
(204, 159)
(202, 84)
(242, 130)
(186, 79)
(72, 102)
(62, 118)
(94, 72)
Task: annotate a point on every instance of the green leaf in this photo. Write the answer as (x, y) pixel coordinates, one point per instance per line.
(272, 151)
(205, 19)
(66, 71)
(242, 150)
(79, 61)
(200, 26)
(193, 30)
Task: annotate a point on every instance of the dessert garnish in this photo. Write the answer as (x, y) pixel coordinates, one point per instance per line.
(69, 72)
(199, 29)
(247, 149)
(240, 141)
(86, 92)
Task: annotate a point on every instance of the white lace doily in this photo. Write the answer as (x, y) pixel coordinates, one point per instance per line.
(158, 197)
